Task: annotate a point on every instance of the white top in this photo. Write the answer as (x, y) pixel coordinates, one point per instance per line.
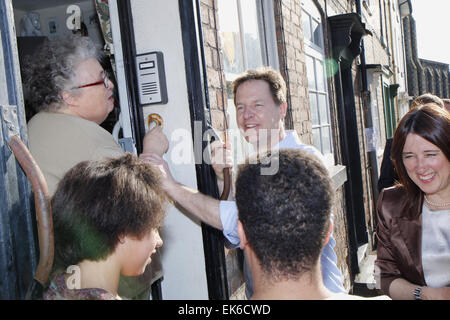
(436, 247)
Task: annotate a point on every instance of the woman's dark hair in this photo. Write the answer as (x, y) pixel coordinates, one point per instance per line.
(98, 202)
(432, 123)
(52, 70)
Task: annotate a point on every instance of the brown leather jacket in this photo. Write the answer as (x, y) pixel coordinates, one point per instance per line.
(399, 233)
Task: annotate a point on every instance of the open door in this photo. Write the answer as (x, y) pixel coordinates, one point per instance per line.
(167, 34)
(24, 25)
(18, 250)
(193, 253)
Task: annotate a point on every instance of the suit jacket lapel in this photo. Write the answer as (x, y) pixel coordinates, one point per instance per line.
(411, 231)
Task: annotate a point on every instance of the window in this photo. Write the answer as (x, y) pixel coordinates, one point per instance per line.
(241, 39)
(317, 80)
(248, 40)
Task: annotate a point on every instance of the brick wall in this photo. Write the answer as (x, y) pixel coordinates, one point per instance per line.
(214, 63)
(340, 235)
(291, 52)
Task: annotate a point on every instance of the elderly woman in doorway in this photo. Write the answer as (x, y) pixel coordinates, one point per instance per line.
(65, 83)
(67, 86)
(413, 253)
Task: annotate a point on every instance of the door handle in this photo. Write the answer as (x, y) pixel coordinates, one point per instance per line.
(156, 118)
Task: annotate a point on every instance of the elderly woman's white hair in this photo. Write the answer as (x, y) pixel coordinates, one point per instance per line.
(52, 70)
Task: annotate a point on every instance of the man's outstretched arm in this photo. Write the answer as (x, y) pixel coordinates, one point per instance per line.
(198, 204)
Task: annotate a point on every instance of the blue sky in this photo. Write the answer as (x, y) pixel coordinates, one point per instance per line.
(433, 29)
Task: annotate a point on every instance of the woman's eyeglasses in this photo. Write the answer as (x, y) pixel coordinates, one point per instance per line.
(105, 82)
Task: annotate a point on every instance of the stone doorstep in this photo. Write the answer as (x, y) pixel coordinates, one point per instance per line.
(362, 253)
(239, 294)
(366, 268)
(365, 284)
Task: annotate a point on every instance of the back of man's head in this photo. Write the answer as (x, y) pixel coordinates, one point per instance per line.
(425, 99)
(446, 104)
(285, 216)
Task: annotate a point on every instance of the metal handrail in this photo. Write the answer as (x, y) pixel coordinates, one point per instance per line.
(43, 215)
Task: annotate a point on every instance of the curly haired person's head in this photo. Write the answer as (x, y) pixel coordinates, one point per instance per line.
(286, 215)
(52, 70)
(99, 202)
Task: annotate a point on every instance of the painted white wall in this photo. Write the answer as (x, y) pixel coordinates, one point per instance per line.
(157, 28)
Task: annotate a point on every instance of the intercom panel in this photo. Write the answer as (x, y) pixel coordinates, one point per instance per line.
(151, 78)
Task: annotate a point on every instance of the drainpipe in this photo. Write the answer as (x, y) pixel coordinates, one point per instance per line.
(394, 66)
(368, 123)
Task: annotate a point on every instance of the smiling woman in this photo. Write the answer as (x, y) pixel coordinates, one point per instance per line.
(413, 251)
(427, 166)
(420, 141)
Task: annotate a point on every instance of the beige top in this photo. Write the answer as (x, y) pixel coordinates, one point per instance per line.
(60, 141)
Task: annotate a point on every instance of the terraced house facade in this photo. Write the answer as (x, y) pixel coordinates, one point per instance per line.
(344, 65)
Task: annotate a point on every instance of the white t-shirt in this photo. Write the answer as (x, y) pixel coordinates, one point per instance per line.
(436, 247)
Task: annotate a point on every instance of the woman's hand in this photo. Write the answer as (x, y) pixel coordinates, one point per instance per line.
(429, 293)
(401, 289)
